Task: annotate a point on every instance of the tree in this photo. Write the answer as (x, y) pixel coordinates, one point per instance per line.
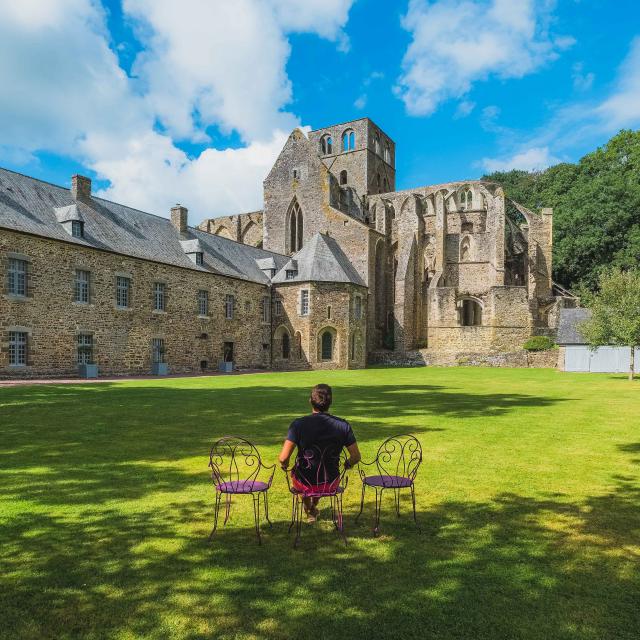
(615, 312)
(596, 207)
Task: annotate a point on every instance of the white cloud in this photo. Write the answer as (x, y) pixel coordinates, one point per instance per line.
(204, 63)
(464, 109)
(580, 124)
(458, 42)
(581, 81)
(622, 108)
(532, 159)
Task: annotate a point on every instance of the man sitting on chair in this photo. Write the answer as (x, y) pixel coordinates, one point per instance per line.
(320, 438)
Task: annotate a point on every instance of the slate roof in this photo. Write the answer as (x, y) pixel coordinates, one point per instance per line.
(320, 260)
(33, 206)
(568, 332)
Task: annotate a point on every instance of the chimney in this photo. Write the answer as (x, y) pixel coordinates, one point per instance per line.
(81, 188)
(179, 218)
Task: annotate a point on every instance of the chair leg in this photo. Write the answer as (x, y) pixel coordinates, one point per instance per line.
(413, 500)
(376, 526)
(299, 510)
(266, 508)
(340, 517)
(216, 509)
(397, 500)
(227, 508)
(364, 486)
(293, 512)
(256, 514)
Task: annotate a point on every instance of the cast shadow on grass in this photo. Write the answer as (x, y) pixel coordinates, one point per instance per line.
(512, 567)
(133, 440)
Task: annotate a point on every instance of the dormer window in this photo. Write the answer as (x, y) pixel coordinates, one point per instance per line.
(77, 229)
(199, 258)
(291, 274)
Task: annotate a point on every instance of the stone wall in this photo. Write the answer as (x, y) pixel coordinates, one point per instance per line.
(331, 307)
(243, 227)
(427, 357)
(122, 337)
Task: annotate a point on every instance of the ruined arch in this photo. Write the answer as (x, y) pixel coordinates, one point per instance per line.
(470, 311)
(223, 232)
(251, 234)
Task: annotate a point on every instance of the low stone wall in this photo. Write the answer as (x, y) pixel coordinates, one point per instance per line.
(426, 357)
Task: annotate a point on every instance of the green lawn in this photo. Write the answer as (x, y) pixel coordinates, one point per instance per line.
(528, 498)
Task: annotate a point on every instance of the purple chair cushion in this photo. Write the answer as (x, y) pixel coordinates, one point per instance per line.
(388, 482)
(242, 486)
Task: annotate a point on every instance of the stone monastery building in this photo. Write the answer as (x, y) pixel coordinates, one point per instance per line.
(336, 271)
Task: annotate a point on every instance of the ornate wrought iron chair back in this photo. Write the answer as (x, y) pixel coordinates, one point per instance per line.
(399, 456)
(236, 468)
(396, 463)
(319, 483)
(234, 459)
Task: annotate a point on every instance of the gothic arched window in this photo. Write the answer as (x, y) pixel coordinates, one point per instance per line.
(286, 346)
(326, 345)
(295, 226)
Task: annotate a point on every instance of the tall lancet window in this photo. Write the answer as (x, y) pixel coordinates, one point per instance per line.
(296, 227)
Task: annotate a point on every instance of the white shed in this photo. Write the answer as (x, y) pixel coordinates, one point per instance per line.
(578, 356)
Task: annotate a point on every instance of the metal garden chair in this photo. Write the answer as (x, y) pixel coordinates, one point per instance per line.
(321, 485)
(237, 469)
(396, 463)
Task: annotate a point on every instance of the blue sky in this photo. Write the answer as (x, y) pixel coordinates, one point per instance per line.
(161, 102)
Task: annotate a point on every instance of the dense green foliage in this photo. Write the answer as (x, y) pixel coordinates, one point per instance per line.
(615, 311)
(539, 343)
(596, 205)
(528, 500)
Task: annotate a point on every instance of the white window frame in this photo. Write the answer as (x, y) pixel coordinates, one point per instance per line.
(82, 286)
(203, 302)
(229, 304)
(123, 292)
(84, 348)
(77, 229)
(159, 296)
(17, 277)
(18, 348)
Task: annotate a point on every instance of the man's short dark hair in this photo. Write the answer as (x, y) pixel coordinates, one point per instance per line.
(321, 397)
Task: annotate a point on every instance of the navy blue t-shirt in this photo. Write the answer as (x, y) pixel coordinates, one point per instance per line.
(320, 438)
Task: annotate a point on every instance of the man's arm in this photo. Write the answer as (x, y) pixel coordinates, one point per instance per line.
(354, 455)
(285, 454)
